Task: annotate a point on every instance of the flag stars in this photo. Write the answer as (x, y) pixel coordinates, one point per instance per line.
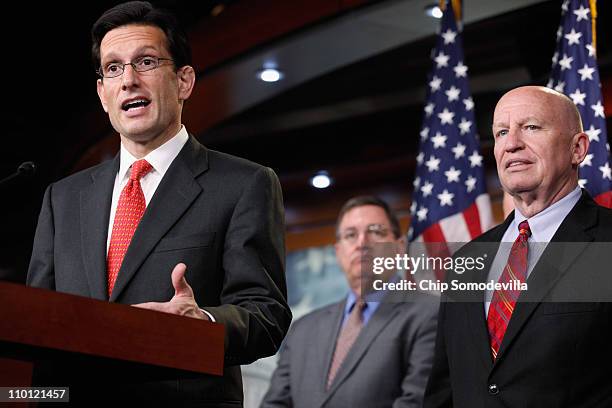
(460, 70)
(560, 87)
(573, 37)
(587, 160)
(453, 93)
(606, 171)
(446, 198)
(470, 184)
(442, 60)
(449, 36)
(593, 133)
(566, 62)
(439, 140)
(420, 158)
(598, 109)
(555, 58)
(469, 104)
(564, 6)
(559, 32)
(446, 116)
(591, 49)
(432, 164)
(429, 108)
(465, 126)
(422, 214)
(424, 133)
(578, 97)
(582, 13)
(475, 159)
(582, 183)
(416, 183)
(452, 175)
(459, 150)
(426, 189)
(586, 72)
(435, 84)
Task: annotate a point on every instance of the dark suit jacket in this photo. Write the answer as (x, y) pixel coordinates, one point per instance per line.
(554, 354)
(388, 364)
(220, 215)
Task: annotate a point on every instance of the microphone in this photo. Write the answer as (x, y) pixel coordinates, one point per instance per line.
(25, 169)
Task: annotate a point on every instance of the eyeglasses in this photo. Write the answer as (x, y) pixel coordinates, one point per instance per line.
(142, 64)
(374, 232)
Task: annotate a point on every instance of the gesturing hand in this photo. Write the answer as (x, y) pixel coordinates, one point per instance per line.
(182, 303)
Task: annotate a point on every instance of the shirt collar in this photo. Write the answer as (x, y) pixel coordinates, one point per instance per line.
(160, 158)
(544, 224)
(372, 298)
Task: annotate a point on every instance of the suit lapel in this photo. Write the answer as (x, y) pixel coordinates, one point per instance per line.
(475, 310)
(327, 343)
(174, 195)
(550, 268)
(381, 317)
(95, 212)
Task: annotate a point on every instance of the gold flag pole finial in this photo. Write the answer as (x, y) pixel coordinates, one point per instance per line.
(593, 4)
(456, 8)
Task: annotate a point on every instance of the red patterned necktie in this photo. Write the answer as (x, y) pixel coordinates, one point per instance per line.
(503, 301)
(346, 339)
(130, 208)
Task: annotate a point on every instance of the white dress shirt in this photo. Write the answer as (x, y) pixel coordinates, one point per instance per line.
(160, 159)
(543, 227)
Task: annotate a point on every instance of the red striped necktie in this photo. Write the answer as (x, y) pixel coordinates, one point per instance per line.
(130, 208)
(504, 300)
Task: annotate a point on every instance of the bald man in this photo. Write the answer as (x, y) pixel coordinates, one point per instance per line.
(516, 347)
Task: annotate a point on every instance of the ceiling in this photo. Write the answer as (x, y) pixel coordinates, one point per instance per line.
(350, 103)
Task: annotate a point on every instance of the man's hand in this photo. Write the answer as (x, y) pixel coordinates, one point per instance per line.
(183, 302)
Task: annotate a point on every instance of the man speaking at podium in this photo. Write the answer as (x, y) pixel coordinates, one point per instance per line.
(168, 224)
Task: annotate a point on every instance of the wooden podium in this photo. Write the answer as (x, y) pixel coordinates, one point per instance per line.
(42, 325)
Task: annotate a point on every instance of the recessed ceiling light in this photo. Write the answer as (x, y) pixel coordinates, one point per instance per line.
(433, 11)
(321, 180)
(270, 75)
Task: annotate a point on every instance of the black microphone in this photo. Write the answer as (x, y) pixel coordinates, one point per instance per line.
(25, 169)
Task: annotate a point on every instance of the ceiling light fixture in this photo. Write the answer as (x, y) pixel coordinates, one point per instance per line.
(433, 11)
(321, 180)
(270, 75)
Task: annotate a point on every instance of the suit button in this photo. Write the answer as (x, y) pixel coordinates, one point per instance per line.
(493, 389)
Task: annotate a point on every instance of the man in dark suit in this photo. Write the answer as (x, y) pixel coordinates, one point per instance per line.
(545, 345)
(168, 224)
(385, 358)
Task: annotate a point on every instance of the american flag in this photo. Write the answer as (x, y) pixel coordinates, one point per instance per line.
(449, 201)
(575, 73)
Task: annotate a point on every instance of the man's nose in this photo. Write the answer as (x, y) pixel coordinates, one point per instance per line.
(513, 140)
(129, 78)
(363, 239)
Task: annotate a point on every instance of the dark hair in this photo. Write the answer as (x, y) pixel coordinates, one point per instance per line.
(142, 12)
(370, 200)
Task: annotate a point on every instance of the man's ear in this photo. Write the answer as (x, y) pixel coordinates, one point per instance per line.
(580, 147)
(100, 89)
(186, 81)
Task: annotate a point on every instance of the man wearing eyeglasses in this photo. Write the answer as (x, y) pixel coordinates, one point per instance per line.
(368, 350)
(168, 224)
